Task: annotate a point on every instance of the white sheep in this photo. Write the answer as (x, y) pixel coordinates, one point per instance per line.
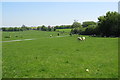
(87, 70)
(83, 38)
(50, 35)
(79, 38)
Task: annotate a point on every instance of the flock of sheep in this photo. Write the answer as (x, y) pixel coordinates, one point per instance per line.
(79, 38)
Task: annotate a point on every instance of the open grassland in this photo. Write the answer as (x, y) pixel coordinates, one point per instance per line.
(58, 57)
(65, 30)
(0, 55)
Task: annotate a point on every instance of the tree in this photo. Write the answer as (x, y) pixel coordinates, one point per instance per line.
(49, 28)
(87, 23)
(4, 29)
(54, 29)
(39, 28)
(76, 25)
(10, 29)
(109, 24)
(90, 30)
(63, 27)
(23, 28)
(16, 29)
(43, 28)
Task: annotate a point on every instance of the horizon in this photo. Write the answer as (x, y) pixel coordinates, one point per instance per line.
(16, 14)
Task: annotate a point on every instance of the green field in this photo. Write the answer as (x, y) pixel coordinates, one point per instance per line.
(58, 57)
(65, 30)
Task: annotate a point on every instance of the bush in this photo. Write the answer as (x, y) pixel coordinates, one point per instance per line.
(7, 36)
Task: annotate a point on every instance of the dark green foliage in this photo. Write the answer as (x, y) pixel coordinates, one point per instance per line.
(70, 34)
(78, 30)
(43, 28)
(11, 29)
(54, 29)
(4, 29)
(16, 29)
(63, 27)
(87, 23)
(8, 36)
(76, 25)
(39, 28)
(74, 31)
(109, 24)
(23, 28)
(58, 34)
(49, 28)
(90, 30)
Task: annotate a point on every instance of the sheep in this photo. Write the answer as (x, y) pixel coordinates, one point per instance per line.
(79, 38)
(50, 35)
(87, 70)
(83, 38)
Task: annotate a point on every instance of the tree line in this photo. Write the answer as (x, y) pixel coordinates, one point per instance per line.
(24, 28)
(107, 25)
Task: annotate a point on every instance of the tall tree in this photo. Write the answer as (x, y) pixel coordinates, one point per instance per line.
(87, 23)
(43, 28)
(108, 24)
(76, 24)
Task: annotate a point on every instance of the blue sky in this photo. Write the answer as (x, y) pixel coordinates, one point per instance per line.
(53, 13)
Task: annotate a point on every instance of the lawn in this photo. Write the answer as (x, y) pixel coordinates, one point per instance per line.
(58, 57)
(65, 30)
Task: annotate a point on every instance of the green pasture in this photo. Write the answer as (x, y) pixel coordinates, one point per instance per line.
(58, 57)
(65, 30)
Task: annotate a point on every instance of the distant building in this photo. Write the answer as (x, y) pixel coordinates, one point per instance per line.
(119, 7)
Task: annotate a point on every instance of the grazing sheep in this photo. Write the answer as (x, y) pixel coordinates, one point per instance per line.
(87, 70)
(79, 38)
(83, 38)
(50, 35)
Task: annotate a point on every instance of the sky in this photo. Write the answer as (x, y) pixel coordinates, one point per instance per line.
(53, 13)
(59, 0)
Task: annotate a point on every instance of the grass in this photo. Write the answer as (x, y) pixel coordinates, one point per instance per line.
(59, 57)
(0, 55)
(65, 30)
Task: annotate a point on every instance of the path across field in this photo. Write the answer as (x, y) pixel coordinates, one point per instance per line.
(18, 40)
(31, 39)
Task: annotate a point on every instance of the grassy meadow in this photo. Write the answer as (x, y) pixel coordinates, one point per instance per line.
(59, 56)
(65, 30)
